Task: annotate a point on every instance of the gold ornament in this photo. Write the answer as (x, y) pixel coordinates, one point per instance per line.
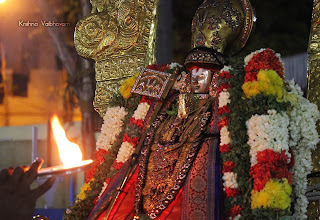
(154, 83)
(222, 25)
(120, 37)
(313, 95)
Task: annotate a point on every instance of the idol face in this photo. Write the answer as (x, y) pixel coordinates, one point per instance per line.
(200, 80)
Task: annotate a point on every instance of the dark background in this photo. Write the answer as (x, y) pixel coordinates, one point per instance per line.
(282, 25)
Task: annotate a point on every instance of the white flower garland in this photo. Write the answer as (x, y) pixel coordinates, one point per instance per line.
(125, 152)
(224, 136)
(268, 132)
(238, 217)
(226, 69)
(174, 65)
(141, 111)
(303, 139)
(111, 128)
(229, 178)
(127, 148)
(224, 98)
(105, 185)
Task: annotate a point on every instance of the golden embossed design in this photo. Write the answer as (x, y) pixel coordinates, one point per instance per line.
(314, 95)
(223, 25)
(185, 105)
(153, 83)
(120, 37)
(172, 144)
(167, 157)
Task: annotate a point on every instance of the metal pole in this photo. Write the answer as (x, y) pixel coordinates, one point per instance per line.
(34, 142)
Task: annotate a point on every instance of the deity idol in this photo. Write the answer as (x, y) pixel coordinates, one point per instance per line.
(174, 172)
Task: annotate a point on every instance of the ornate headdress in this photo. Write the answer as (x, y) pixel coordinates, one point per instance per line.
(219, 27)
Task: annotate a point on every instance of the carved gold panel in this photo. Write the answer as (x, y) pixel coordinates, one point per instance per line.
(120, 37)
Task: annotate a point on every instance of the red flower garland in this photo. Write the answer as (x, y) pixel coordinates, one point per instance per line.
(228, 166)
(270, 165)
(236, 210)
(224, 110)
(223, 122)
(138, 122)
(223, 86)
(117, 165)
(265, 60)
(225, 75)
(131, 140)
(224, 148)
(145, 99)
(231, 192)
(98, 158)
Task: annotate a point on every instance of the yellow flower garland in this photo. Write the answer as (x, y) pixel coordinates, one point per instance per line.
(268, 82)
(275, 194)
(126, 86)
(82, 194)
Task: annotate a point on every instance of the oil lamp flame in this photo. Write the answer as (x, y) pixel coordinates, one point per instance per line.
(69, 152)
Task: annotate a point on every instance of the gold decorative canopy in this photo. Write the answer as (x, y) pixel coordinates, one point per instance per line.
(222, 25)
(120, 36)
(314, 95)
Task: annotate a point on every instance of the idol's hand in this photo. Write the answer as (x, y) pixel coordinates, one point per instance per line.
(17, 200)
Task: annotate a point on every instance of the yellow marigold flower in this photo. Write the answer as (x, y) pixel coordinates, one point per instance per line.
(267, 88)
(268, 82)
(272, 186)
(85, 187)
(254, 198)
(275, 194)
(270, 76)
(263, 199)
(287, 186)
(260, 199)
(251, 88)
(126, 86)
(282, 201)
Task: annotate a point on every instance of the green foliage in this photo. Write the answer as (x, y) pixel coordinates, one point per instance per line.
(271, 214)
(82, 208)
(241, 110)
(130, 104)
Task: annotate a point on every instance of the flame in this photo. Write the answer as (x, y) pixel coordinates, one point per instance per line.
(69, 152)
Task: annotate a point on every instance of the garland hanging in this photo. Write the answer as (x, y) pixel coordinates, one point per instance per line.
(267, 131)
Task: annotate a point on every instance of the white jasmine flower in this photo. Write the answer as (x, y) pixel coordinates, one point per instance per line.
(224, 136)
(226, 69)
(125, 152)
(230, 180)
(268, 132)
(224, 98)
(174, 65)
(112, 127)
(141, 111)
